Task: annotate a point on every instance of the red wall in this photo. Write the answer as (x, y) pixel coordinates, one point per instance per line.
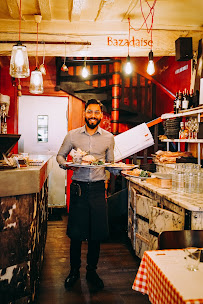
(169, 75)
(7, 88)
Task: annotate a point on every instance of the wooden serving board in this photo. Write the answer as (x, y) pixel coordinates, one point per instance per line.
(160, 182)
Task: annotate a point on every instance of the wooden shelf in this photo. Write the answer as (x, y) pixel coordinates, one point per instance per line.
(183, 113)
(195, 141)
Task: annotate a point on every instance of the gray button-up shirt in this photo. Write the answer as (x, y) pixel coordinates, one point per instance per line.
(100, 145)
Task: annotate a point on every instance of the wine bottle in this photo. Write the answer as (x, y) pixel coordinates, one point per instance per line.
(191, 104)
(174, 103)
(4, 125)
(185, 101)
(196, 99)
(179, 102)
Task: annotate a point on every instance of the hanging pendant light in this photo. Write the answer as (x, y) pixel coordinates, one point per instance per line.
(150, 67)
(85, 71)
(42, 66)
(19, 64)
(36, 80)
(128, 66)
(64, 67)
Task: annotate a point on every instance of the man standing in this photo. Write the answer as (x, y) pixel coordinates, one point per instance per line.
(88, 211)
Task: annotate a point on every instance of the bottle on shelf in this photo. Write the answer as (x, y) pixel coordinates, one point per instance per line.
(174, 103)
(191, 97)
(179, 102)
(196, 99)
(185, 101)
(183, 133)
(4, 125)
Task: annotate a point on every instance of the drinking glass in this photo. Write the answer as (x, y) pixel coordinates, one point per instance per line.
(180, 181)
(192, 258)
(195, 128)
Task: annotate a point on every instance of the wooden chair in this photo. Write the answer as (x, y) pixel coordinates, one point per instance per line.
(180, 239)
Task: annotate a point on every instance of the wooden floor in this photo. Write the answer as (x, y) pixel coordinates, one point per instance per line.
(117, 267)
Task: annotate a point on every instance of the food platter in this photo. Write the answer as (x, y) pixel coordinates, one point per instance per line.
(127, 173)
(105, 165)
(120, 167)
(75, 165)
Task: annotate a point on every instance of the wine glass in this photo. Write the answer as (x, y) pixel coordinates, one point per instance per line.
(195, 128)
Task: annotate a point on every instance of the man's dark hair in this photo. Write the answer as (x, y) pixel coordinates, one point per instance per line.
(94, 101)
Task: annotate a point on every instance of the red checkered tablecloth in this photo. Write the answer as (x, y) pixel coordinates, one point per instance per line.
(151, 280)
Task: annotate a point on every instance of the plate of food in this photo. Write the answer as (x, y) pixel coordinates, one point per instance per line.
(137, 173)
(82, 165)
(87, 161)
(121, 166)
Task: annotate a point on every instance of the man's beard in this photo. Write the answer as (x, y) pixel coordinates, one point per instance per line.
(93, 125)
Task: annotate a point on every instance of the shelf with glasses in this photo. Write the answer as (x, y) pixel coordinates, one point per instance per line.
(191, 112)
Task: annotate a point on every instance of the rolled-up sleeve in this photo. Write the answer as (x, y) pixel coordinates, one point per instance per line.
(110, 150)
(64, 150)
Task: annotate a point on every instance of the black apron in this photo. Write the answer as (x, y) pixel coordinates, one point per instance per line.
(88, 211)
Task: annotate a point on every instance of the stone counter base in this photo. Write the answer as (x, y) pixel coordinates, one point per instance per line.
(23, 230)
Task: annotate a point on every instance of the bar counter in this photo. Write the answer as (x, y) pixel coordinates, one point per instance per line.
(152, 209)
(192, 202)
(23, 229)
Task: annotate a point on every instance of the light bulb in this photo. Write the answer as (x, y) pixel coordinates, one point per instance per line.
(19, 60)
(85, 72)
(128, 66)
(36, 82)
(150, 67)
(19, 65)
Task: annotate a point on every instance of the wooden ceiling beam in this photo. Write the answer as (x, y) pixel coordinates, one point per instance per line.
(13, 8)
(45, 9)
(104, 7)
(77, 7)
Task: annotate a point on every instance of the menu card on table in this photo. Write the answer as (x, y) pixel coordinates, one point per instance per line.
(132, 141)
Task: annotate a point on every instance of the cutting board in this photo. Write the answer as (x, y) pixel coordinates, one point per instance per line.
(161, 181)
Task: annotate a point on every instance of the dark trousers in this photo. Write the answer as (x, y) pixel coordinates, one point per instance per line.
(92, 254)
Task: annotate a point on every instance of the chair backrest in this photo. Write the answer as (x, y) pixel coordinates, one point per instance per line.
(180, 239)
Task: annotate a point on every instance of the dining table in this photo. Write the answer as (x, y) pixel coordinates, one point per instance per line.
(164, 277)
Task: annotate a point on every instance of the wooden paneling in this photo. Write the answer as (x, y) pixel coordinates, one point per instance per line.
(75, 113)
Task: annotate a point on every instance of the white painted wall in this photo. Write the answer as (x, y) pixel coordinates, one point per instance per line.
(56, 109)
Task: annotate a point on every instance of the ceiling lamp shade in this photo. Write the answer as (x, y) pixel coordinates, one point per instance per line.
(36, 82)
(19, 64)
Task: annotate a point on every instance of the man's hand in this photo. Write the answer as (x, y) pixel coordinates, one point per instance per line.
(66, 167)
(114, 171)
